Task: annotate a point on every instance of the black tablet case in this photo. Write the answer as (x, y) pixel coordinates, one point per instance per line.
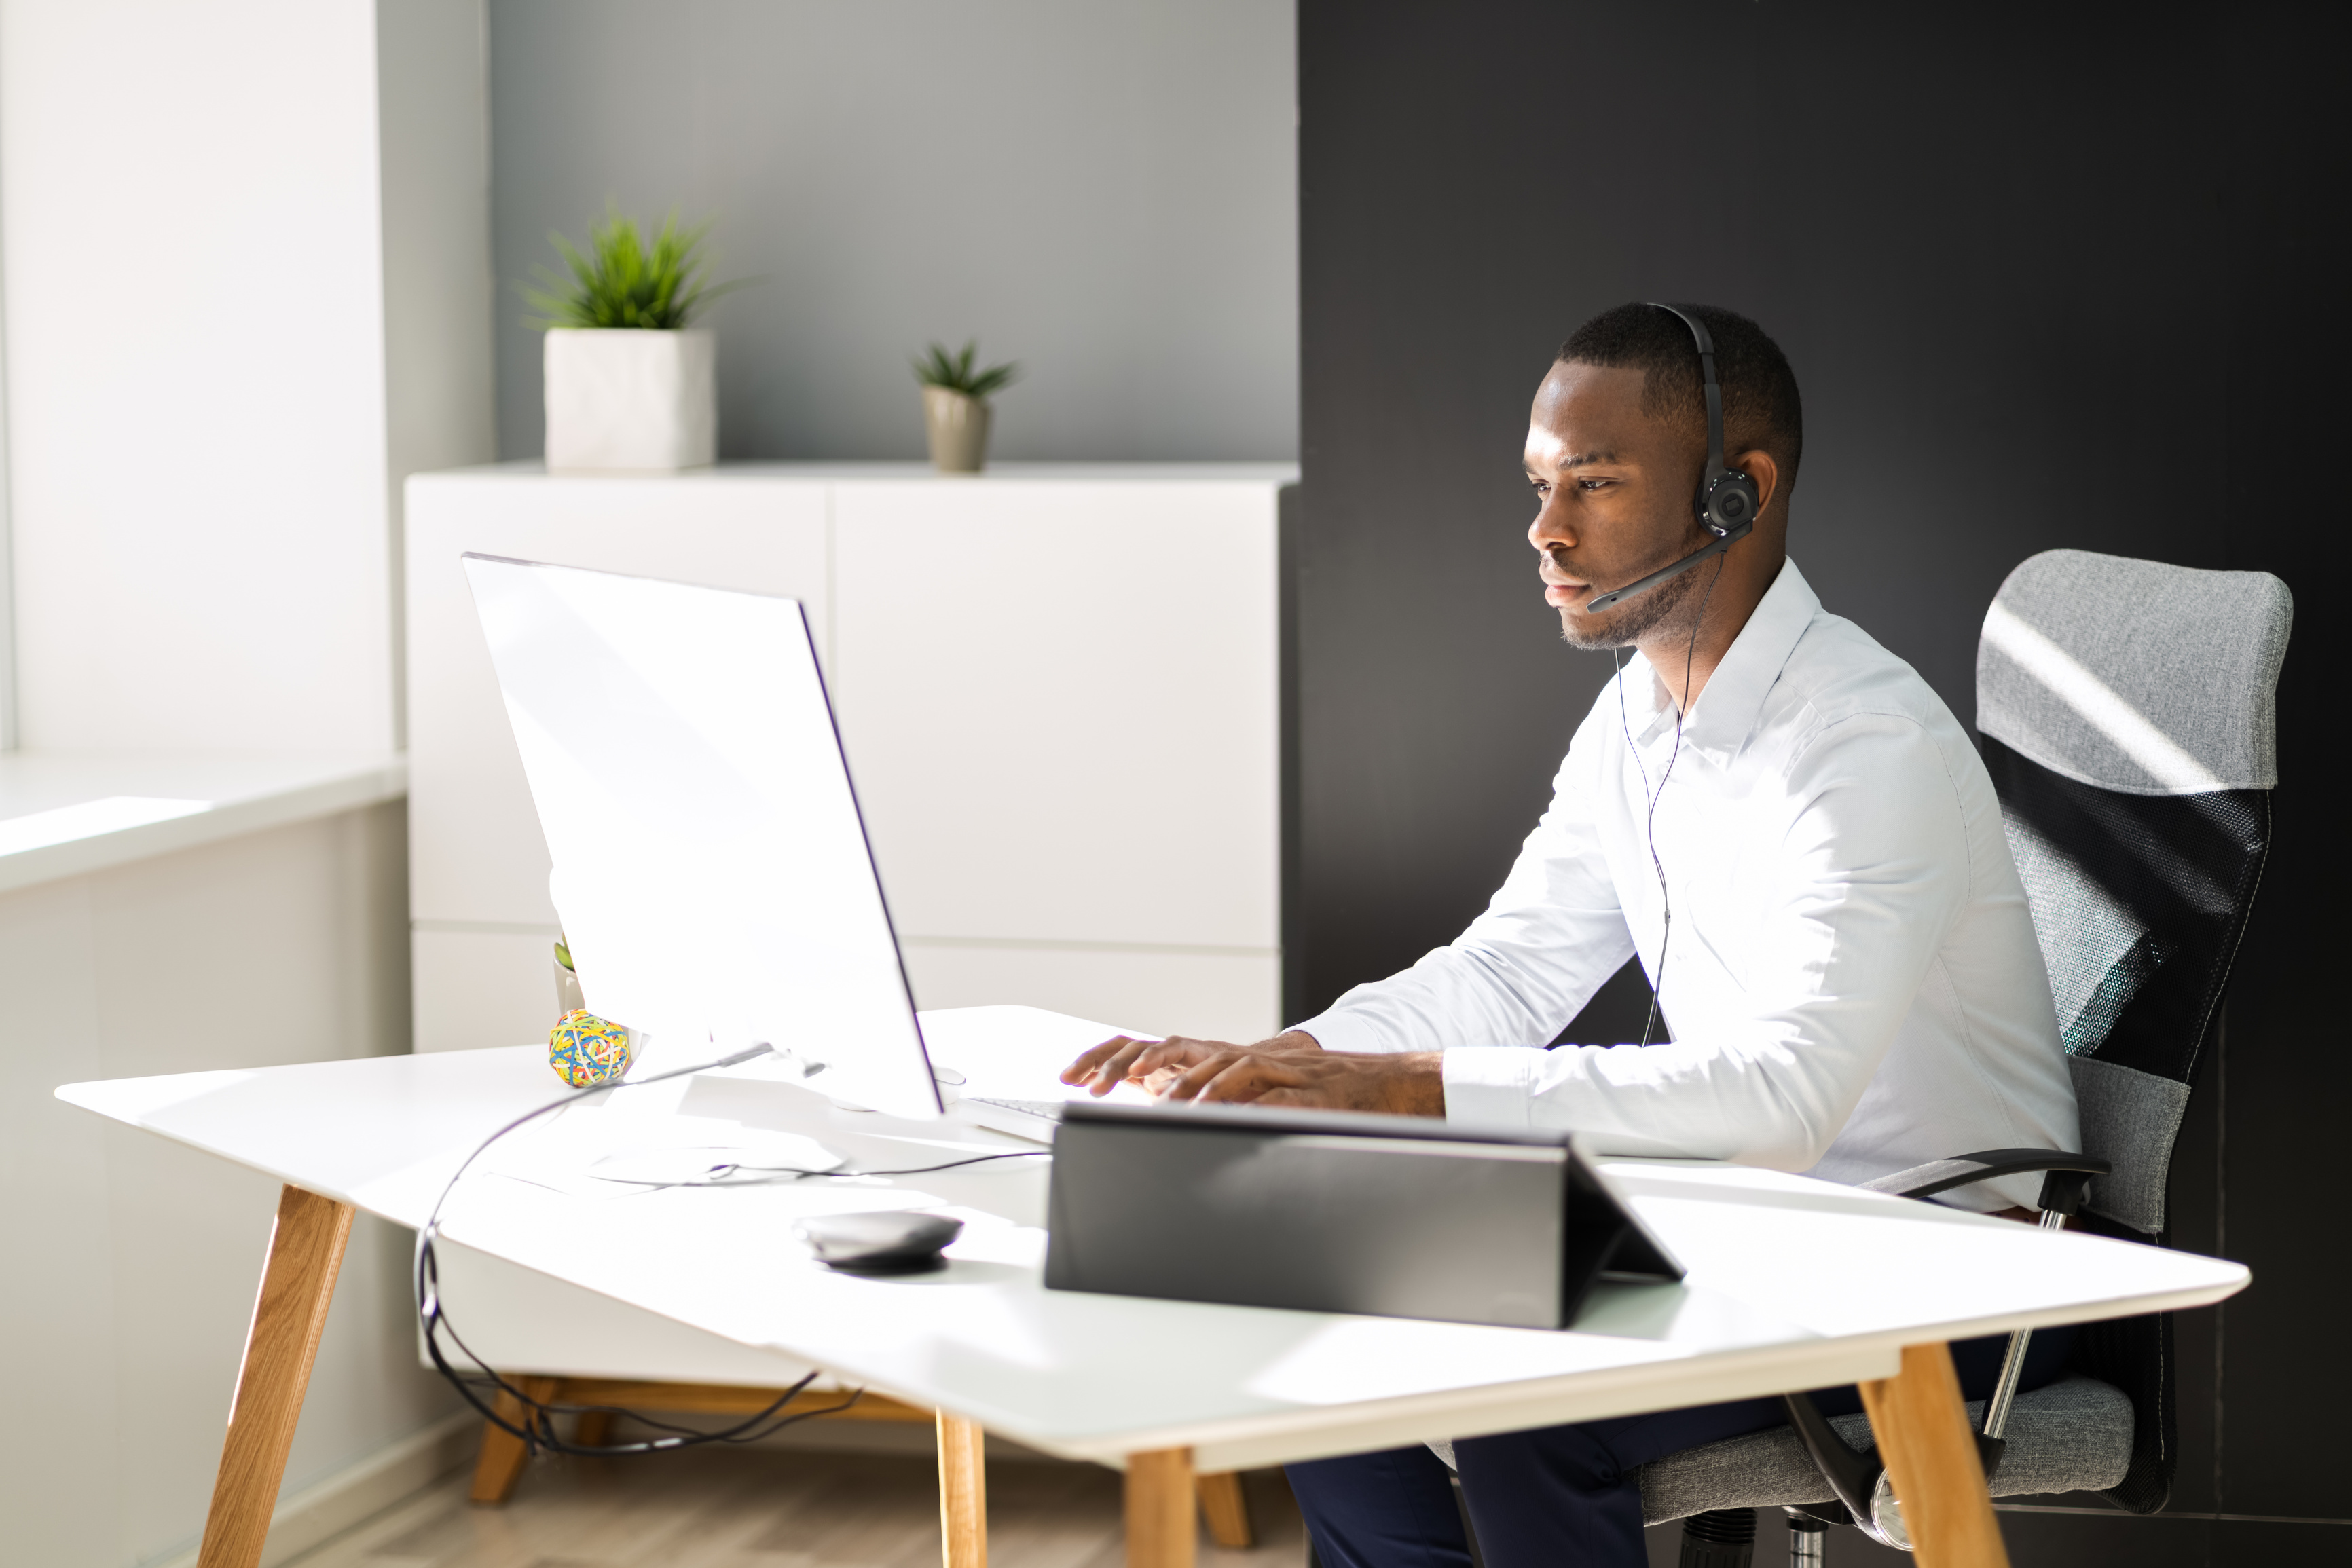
(1333, 1212)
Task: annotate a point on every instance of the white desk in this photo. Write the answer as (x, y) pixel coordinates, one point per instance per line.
(1793, 1284)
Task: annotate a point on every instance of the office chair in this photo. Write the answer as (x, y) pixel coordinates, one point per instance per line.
(2127, 722)
(2127, 714)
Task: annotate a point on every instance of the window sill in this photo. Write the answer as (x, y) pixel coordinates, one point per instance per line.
(67, 814)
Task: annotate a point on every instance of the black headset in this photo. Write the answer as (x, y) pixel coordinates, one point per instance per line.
(1727, 500)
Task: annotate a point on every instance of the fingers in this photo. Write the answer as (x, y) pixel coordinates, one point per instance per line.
(1206, 1070)
(1235, 1078)
(1122, 1063)
(1114, 1062)
(1092, 1060)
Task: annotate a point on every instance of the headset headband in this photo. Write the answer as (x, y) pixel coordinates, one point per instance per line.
(1727, 500)
(1714, 393)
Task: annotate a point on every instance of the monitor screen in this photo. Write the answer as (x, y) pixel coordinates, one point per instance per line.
(711, 869)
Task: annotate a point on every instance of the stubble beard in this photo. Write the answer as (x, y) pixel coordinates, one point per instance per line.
(1663, 608)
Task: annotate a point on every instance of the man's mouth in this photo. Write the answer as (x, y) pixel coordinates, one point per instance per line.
(1560, 593)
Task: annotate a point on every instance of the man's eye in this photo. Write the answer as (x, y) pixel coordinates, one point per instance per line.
(1592, 484)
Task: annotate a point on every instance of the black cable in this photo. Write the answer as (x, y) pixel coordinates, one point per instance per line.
(537, 1431)
(772, 1174)
(1649, 818)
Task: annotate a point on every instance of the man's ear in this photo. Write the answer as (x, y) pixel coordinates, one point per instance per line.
(1757, 464)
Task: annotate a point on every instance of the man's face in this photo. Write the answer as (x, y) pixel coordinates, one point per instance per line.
(1613, 491)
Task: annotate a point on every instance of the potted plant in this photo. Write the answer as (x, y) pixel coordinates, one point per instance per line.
(628, 384)
(955, 405)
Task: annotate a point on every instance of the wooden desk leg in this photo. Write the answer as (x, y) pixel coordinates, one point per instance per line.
(306, 1251)
(963, 1494)
(1163, 1530)
(1922, 1427)
(500, 1464)
(594, 1428)
(1226, 1509)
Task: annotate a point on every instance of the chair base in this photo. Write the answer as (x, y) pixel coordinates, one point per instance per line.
(2074, 1435)
(1720, 1538)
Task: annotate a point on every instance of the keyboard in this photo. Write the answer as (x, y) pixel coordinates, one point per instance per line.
(1051, 1110)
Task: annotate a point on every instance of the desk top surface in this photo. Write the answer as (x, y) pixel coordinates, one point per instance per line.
(1793, 1283)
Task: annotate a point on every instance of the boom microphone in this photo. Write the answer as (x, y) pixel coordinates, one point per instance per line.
(1716, 546)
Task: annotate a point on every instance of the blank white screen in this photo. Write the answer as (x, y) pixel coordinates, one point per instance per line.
(710, 867)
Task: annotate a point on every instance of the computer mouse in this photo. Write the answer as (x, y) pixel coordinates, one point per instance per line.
(885, 1241)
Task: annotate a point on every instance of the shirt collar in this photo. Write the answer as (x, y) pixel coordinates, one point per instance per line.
(1733, 699)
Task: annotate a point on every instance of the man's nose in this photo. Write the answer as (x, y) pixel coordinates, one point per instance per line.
(1548, 531)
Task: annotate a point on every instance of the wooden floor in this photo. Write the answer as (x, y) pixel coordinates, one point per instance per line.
(757, 1507)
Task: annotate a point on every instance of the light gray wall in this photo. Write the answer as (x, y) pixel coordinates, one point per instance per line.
(1102, 188)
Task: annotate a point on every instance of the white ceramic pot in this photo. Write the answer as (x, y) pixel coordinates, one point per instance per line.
(957, 428)
(631, 399)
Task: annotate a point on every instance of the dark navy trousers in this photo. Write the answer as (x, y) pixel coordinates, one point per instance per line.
(1561, 1497)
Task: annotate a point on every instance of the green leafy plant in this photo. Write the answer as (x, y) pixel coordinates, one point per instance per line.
(624, 282)
(955, 373)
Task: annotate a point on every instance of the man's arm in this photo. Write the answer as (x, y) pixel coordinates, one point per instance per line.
(1552, 933)
(1870, 872)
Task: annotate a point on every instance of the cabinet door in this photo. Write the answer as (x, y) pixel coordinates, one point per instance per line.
(1059, 701)
(477, 856)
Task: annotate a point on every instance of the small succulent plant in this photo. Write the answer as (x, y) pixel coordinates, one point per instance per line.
(956, 372)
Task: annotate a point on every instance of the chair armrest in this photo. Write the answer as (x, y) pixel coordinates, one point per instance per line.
(2062, 1189)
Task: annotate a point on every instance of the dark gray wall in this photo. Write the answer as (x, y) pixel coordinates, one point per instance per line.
(1101, 189)
(2049, 277)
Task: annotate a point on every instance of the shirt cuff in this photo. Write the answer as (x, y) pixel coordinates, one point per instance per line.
(1491, 1085)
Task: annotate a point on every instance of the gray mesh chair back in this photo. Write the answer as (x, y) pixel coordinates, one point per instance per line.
(2127, 714)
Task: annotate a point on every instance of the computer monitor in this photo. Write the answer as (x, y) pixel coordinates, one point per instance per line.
(711, 869)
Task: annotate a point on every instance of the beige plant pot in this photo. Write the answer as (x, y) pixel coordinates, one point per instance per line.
(568, 998)
(957, 426)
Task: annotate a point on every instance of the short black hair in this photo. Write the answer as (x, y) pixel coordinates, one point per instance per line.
(1760, 406)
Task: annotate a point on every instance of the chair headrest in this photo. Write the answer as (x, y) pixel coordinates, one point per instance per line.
(2135, 676)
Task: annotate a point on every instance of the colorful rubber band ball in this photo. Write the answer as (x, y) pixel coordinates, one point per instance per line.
(586, 1051)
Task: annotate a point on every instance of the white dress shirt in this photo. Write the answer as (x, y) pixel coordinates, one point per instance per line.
(1850, 972)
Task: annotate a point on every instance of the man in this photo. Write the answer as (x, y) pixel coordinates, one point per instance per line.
(1794, 834)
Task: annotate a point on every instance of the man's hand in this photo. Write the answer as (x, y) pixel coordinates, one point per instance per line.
(1405, 1085)
(1155, 1063)
(1289, 1069)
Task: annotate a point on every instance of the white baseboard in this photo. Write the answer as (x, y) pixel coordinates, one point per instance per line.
(330, 1506)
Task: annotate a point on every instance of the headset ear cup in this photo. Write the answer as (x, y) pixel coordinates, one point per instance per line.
(1731, 501)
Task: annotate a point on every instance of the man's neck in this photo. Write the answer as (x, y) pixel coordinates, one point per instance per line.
(1740, 583)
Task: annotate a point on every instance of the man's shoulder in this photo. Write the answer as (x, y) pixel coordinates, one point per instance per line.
(1838, 672)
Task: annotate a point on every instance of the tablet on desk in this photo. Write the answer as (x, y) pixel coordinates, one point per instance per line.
(1334, 1212)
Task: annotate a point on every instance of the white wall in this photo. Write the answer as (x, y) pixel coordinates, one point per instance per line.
(132, 1261)
(1102, 188)
(247, 283)
(193, 205)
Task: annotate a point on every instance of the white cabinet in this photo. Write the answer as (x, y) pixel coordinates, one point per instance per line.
(1057, 684)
